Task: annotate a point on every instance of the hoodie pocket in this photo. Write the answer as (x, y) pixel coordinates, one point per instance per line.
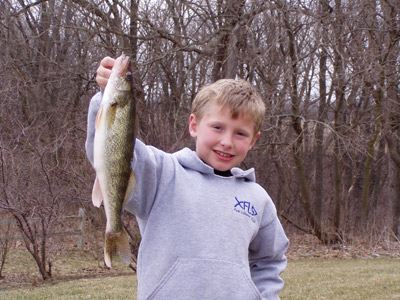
(205, 279)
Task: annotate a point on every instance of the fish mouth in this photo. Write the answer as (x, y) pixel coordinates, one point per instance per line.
(223, 155)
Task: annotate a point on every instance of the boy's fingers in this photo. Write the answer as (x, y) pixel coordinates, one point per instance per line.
(107, 62)
(104, 71)
(101, 81)
(102, 77)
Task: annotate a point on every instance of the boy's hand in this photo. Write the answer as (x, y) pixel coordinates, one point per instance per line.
(104, 71)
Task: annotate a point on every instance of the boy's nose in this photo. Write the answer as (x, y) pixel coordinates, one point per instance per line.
(226, 140)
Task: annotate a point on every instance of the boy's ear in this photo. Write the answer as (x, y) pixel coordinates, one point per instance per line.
(255, 138)
(193, 125)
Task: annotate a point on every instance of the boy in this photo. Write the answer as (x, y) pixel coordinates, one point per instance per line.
(208, 230)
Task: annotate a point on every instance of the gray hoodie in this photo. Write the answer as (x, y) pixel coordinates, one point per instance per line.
(204, 236)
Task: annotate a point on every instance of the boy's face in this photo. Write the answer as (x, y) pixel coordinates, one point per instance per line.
(221, 141)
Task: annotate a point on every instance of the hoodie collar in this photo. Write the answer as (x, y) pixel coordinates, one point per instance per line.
(189, 159)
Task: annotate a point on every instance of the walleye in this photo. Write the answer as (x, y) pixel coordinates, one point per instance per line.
(113, 153)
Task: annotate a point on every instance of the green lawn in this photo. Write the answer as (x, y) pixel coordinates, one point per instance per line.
(353, 279)
(308, 279)
(119, 287)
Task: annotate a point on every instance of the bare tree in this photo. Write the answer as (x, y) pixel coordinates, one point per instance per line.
(327, 71)
(40, 116)
(382, 81)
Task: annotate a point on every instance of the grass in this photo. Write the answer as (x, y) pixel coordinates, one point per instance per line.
(119, 287)
(355, 279)
(80, 275)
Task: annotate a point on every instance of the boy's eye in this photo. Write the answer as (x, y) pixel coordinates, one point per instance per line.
(240, 133)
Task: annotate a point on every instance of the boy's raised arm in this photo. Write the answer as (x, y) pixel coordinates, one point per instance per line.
(94, 106)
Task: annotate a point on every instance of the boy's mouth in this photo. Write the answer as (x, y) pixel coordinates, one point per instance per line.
(223, 155)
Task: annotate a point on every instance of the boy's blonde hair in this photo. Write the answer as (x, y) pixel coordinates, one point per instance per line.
(238, 95)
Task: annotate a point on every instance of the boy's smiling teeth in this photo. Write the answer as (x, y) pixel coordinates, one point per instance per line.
(223, 154)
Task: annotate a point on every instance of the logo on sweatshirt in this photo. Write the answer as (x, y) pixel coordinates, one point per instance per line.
(246, 208)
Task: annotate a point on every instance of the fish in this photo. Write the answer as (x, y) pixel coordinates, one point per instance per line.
(114, 142)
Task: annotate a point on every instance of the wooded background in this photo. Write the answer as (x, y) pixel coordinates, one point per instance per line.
(327, 70)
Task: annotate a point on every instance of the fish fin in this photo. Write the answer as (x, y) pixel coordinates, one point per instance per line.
(97, 195)
(131, 189)
(98, 117)
(117, 243)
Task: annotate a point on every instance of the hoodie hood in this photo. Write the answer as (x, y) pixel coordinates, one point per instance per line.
(189, 159)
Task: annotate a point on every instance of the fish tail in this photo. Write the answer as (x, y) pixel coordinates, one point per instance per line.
(117, 243)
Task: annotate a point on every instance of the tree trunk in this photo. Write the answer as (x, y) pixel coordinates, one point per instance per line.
(297, 148)
(322, 111)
